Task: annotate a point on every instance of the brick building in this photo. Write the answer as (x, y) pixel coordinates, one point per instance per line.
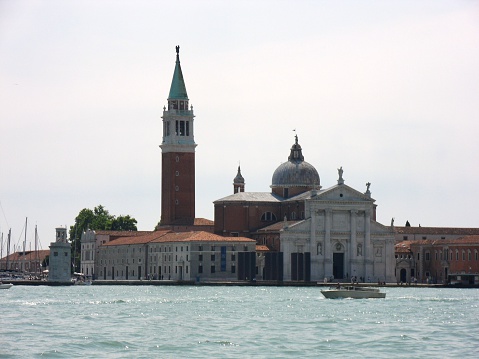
(29, 262)
(446, 261)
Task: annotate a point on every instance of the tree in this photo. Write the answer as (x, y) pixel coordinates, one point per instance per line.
(97, 219)
(123, 223)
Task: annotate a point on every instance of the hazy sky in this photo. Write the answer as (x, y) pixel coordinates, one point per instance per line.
(389, 90)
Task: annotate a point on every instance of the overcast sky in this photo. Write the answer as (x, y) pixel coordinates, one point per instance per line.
(389, 90)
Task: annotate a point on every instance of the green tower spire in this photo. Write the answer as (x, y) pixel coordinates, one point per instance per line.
(178, 88)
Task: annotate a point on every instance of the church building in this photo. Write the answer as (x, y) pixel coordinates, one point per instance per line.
(304, 232)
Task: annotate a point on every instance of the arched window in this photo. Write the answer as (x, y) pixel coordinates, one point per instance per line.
(268, 217)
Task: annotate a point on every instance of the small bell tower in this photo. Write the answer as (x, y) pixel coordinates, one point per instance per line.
(238, 182)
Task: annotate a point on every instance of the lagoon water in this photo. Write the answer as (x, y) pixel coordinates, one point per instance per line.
(235, 322)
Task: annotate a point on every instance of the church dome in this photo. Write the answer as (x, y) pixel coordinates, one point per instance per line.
(296, 172)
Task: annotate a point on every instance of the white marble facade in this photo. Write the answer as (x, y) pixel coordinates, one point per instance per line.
(342, 237)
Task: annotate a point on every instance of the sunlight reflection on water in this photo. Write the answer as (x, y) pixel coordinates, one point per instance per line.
(196, 321)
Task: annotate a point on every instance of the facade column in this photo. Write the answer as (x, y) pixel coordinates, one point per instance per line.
(388, 248)
(352, 246)
(367, 245)
(312, 236)
(313, 246)
(328, 256)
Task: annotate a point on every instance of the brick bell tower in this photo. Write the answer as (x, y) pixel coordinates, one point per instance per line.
(178, 155)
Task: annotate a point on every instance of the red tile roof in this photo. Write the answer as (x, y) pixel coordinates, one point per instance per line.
(262, 248)
(203, 222)
(29, 255)
(437, 230)
(196, 236)
(438, 242)
(141, 239)
(122, 233)
(169, 236)
(193, 222)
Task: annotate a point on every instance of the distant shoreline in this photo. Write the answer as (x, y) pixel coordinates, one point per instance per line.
(231, 283)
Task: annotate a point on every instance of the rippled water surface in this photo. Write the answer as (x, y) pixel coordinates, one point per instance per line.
(235, 322)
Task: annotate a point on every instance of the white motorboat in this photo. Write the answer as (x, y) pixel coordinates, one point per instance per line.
(5, 285)
(352, 292)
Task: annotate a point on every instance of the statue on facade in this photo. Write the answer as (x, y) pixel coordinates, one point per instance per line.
(392, 222)
(367, 186)
(340, 175)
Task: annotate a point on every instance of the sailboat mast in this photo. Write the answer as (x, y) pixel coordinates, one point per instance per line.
(8, 248)
(36, 252)
(24, 245)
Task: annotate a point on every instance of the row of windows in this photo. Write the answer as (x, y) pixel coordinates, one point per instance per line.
(112, 261)
(440, 255)
(271, 217)
(214, 248)
(152, 249)
(213, 269)
(213, 257)
(166, 257)
(167, 249)
(122, 249)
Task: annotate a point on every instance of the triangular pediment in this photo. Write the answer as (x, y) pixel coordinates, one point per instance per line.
(303, 225)
(378, 228)
(342, 193)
